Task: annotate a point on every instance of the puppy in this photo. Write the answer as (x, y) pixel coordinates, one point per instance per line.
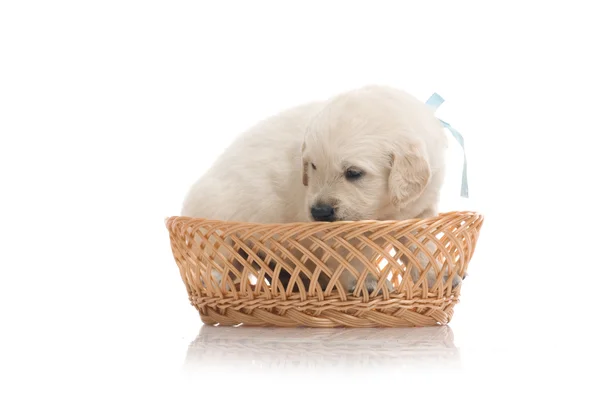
(375, 153)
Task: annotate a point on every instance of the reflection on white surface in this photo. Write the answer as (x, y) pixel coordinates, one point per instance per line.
(253, 347)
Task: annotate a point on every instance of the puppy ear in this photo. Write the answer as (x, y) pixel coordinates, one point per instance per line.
(305, 173)
(409, 175)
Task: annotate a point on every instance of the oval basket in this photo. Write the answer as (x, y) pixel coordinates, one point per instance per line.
(403, 273)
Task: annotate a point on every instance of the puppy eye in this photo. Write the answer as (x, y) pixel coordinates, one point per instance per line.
(313, 166)
(352, 174)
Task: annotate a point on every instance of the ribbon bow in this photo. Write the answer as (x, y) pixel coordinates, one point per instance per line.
(435, 101)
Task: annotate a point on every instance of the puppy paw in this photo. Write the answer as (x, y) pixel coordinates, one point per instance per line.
(217, 276)
(215, 280)
(371, 285)
(456, 280)
(432, 278)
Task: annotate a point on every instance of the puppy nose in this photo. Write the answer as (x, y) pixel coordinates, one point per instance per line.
(322, 212)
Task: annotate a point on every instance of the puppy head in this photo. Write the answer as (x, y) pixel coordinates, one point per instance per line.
(360, 161)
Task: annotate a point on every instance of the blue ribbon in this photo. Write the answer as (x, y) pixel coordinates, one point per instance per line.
(435, 101)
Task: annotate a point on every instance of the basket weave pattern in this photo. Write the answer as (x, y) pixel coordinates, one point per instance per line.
(292, 274)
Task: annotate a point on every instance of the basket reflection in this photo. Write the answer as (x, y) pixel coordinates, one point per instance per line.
(255, 347)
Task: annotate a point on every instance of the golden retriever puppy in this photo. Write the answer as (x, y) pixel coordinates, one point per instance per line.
(375, 153)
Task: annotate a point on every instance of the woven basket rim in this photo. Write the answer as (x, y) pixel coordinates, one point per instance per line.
(410, 221)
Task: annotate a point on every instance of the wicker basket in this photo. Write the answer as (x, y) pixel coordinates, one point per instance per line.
(291, 274)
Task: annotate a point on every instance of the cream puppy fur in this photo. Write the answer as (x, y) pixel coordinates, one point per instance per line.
(371, 153)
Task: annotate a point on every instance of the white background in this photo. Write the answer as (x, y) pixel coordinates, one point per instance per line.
(109, 110)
